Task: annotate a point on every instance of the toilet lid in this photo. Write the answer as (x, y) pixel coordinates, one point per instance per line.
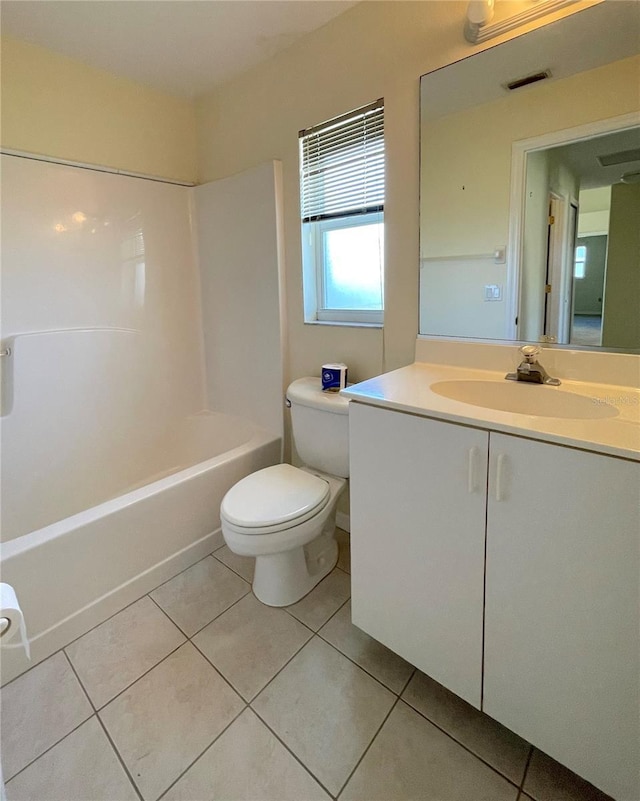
(274, 495)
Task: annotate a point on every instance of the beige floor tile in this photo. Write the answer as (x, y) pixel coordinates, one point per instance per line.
(411, 760)
(487, 738)
(82, 767)
(547, 780)
(38, 709)
(250, 642)
(243, 565)
(326, 598)
(247, 763)
(193, 598)
(326, 710)
(344, 550)
(374, 657)
(168, 717)
(116, 653)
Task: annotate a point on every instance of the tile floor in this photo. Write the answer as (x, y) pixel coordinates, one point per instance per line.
(198, 692)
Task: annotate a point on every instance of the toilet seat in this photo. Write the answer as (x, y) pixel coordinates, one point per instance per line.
(274, 499)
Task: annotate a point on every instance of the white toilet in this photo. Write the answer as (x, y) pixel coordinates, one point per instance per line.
(284, 515)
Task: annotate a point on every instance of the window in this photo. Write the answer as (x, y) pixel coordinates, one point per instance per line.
(342, 204)
(579, 267)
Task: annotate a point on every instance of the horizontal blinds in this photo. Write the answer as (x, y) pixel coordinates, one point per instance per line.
(342, 164)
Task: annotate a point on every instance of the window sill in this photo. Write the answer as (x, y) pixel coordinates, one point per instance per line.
(343, 324)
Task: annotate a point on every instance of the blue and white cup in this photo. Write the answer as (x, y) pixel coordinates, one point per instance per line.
(334, 377)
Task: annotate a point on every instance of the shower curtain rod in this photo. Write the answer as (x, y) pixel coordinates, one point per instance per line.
(94, 167)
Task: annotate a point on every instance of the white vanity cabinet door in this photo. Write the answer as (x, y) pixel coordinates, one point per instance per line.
(418, 502)
(562, 637)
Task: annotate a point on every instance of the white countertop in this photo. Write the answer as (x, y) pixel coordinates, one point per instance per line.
(409, 390)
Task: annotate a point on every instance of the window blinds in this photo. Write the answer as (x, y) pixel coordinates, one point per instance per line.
(342, 165)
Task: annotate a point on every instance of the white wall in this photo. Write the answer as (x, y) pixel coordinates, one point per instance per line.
(452, 297)
(594, 209)
(239, 250)
(100, 308)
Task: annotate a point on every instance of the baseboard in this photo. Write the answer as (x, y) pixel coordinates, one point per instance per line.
(14, 660)
(343, 521)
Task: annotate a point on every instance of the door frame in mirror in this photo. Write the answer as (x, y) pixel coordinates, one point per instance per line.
(519, 152)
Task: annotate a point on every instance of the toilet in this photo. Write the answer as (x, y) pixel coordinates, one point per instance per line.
(284, 516)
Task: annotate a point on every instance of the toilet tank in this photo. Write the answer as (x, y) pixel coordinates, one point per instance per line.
(320, 423)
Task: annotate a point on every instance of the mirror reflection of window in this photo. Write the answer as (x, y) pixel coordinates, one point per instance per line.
(581, 258)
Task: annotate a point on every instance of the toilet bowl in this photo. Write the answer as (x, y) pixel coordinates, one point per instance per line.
(284, 516)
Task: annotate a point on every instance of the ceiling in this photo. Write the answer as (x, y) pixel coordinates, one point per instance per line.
(582, 157)
(184, 47)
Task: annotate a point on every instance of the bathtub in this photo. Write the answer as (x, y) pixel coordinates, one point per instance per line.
(73, 573)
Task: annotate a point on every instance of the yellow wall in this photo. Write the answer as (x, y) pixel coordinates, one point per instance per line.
(56, 106)
(621, 321)
(473, 148)
(376, 49)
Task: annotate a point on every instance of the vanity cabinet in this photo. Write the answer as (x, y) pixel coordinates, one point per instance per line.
(549, 643)
(418, 497)
(562, 623)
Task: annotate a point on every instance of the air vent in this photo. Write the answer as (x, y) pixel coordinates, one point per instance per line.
(623, 157)
(539, 76)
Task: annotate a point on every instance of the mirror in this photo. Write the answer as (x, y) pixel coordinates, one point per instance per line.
(530, 197)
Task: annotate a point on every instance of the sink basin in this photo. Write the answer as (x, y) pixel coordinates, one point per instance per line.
(521, 398)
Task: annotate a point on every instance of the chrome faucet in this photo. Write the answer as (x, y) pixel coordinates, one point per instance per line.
(530, 369)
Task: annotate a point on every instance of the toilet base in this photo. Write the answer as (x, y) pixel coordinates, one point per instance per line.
(283, 578)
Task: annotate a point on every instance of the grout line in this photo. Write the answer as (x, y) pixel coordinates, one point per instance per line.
(462, 745)
(315, 631)
(135, 601)
(104, 728)
(62, 648)
(233, 570)
(141, 676)
(222, 676)
(306, 642)
(79, 680)
(293, 754)
(357, 664)
(190, 637)
(363, 669)
(171, 578)
(202, 753)
(366, 750)
(166, 614)
(46, 751)
(333, 614)
(526, 769)
(406, 684)
(86, 694)
(119, 757)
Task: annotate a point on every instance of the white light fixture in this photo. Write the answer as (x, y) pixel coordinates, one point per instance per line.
(480, 13)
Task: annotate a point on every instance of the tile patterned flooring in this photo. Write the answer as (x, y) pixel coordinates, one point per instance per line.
(197, 692)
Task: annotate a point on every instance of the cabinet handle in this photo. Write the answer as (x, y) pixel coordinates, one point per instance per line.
(471, 478)
(499, 477)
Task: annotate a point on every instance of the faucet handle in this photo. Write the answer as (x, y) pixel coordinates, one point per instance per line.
(530, 352)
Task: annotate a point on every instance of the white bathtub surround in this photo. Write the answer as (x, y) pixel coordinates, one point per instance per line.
(238, 234)
(297, 735)
(112, 472)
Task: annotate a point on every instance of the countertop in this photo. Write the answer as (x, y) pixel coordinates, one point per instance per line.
(409, 390)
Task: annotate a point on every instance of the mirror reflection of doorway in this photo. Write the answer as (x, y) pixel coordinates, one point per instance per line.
(588, 289)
